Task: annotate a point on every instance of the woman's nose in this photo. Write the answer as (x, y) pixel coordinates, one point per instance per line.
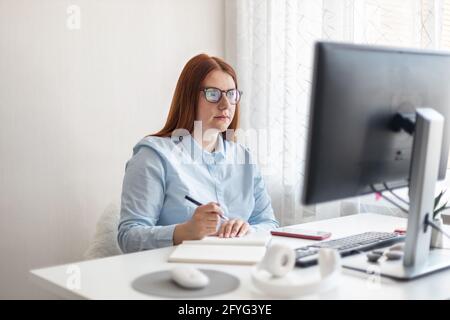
(224, 103)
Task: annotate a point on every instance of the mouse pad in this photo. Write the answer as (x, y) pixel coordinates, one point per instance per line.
(161, 284)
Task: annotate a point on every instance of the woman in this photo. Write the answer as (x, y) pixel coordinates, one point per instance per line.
(194, 155)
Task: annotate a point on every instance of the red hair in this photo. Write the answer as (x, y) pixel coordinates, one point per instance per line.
(185, 98)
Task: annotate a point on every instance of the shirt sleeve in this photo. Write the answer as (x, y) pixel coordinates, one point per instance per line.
(262, 217)
(141, 203)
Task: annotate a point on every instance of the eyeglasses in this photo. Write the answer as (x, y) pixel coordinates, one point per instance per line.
(214, 95)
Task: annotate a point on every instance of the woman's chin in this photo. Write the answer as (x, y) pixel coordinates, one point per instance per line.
(221, 127)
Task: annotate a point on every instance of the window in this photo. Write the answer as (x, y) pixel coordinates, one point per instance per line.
(445, 41)
(413, 23)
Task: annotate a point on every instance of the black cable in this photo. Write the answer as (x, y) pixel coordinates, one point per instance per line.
(394, 194)
(436, 227)
(389, 200)
(428, 221)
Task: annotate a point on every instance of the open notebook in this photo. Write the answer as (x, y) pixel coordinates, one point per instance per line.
(246, 250)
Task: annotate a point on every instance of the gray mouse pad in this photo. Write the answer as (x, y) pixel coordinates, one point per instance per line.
(161, 284)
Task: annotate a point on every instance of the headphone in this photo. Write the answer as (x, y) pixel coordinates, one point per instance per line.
(273, 274)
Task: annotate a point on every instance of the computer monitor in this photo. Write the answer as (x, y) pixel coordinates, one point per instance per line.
(356, 92)
(355, 145)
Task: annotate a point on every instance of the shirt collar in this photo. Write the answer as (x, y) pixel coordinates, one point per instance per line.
(198, 153)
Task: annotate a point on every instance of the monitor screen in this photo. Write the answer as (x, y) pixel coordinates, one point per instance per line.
(356, 92)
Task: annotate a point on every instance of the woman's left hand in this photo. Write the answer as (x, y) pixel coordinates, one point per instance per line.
(233, 228)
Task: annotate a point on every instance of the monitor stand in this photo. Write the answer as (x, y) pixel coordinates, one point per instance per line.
(438, 259)
(418, 260)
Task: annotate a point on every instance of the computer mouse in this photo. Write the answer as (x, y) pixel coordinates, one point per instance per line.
(189, 277)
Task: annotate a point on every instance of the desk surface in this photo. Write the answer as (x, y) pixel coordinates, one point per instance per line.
(111, 278)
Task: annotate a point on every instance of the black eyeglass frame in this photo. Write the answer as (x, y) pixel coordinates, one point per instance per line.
(221, 96)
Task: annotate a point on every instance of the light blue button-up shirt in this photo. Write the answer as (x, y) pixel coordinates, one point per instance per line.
(163, 170)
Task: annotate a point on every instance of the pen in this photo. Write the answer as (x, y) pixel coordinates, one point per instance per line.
(200, 204)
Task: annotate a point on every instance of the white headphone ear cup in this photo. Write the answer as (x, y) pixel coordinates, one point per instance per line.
(278, 260)
(329, 261)
(272, 276)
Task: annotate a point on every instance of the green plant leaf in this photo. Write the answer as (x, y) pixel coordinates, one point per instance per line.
(438, 198)
(441, 209)
(444, 205)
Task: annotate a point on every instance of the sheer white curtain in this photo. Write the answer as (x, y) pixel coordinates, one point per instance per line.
(270, 44)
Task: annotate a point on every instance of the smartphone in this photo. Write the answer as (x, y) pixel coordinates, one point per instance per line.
(301, 233)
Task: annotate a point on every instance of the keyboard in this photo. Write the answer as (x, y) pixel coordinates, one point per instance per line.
(308, 255)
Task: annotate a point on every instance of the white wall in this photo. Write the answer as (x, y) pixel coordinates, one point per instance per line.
(72, 105)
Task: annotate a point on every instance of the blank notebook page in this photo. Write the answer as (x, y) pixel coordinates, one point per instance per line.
(246, 250)
(227, 254)
(252, 239)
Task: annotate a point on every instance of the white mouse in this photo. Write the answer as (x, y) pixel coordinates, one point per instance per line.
(189, 277)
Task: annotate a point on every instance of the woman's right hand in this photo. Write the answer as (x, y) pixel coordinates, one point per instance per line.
(204, 222)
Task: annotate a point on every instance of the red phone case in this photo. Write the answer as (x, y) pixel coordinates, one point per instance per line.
(301, 236)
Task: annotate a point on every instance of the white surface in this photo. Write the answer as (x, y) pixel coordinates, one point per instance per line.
(110, 278)
(72, 105)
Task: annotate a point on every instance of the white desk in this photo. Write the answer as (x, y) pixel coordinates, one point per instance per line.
(111, 278)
